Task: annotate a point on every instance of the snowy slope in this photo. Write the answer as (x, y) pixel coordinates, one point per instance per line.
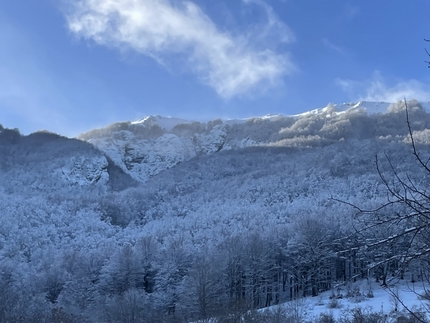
(368, 296)
(47, 162)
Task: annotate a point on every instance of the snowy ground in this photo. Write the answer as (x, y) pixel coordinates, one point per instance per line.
(346, 298)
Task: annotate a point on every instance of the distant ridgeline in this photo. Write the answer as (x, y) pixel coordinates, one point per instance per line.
(168, 220)
(144, 148)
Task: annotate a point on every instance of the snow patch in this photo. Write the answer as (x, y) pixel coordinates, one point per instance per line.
(165, 123)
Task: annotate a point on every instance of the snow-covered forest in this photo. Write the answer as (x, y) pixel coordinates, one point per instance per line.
(158, 222)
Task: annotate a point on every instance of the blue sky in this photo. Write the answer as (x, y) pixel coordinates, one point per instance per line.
(68, 66)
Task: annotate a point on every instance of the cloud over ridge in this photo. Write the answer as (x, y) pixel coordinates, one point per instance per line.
(379, 90)
(231, 65)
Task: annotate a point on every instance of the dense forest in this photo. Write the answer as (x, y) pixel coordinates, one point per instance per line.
(315, 202)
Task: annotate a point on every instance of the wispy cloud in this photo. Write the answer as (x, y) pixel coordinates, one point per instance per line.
(332, 46)
(377, 89)
(163, 29)
(273, 27)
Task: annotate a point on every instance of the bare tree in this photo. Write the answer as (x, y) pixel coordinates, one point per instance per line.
(406, 213)
(428, 62)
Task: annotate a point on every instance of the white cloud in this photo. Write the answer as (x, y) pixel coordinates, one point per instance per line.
(161, 29)
(377, 89)
(273, 27)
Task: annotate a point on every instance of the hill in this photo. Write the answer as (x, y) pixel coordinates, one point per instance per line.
(171, 220)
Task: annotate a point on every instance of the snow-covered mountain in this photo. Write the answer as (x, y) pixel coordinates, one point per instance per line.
(169, 220)
(119, 154)
(107, 157)
(146, 147)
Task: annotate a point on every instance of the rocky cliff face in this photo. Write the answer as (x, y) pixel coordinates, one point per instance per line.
(144, 149)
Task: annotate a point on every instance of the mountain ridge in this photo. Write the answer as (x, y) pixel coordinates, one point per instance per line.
(153, 144)
(138, 150)
(167, 123)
